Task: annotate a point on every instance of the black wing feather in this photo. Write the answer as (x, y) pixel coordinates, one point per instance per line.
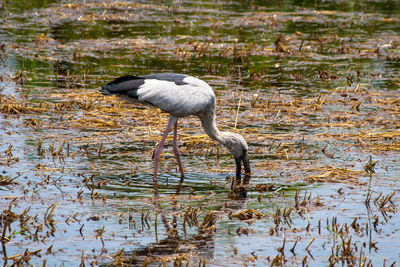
(126, 85)
(129, 84)
(124, 79)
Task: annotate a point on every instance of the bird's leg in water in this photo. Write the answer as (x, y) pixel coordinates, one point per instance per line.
(176, 149)
(157, 152)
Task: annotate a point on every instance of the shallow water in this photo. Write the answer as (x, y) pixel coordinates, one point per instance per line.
(315, 108)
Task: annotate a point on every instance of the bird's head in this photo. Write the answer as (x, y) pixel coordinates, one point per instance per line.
(238, 147)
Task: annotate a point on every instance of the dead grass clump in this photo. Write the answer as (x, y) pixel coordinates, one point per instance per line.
(10, 105)
(247, 215)
(42, 39)
(380, 135)
(208, 225)
(7, 180)
(92, 123)
(13, 108)
(196, 141)
(332, 174)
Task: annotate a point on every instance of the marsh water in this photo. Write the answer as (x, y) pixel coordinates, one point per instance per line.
(313, 86)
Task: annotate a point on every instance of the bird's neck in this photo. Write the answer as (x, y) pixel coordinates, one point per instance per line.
(210, 127)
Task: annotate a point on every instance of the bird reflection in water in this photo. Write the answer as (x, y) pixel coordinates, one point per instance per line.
(197, 247)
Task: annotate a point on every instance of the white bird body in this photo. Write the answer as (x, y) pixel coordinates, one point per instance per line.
(180, 96)
(174, 99)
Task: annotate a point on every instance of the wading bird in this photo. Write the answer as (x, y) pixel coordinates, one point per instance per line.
(180, 96)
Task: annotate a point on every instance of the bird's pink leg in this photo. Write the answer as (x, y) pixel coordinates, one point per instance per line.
(176, 149)
(157, 152)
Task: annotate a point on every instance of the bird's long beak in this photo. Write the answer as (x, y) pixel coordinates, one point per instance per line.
(239, 190)
(246, 163)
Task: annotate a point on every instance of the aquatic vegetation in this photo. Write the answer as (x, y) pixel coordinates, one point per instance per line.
(313, 87)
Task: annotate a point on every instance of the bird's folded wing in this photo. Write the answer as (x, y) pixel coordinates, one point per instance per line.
(179, 100)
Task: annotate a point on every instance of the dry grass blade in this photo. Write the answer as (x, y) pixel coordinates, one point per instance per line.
(6, 180)
(207, 226)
